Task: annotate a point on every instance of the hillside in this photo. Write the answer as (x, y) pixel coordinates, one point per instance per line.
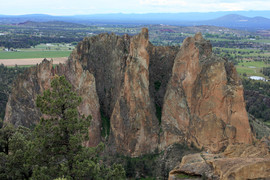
(54, 24)
(240, 22)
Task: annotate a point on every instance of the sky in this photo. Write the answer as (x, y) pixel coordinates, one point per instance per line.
(79, 7)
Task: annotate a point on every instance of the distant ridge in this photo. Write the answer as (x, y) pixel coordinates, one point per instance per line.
(240, 22)
(247, 20)
(49, 24)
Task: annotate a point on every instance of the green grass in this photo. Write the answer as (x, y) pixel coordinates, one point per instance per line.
(218, 39)
(105, 122)
(257, 40)
(184, 176)
(244, 67)
(52, 47)
(242, 40)
(244, 52)
(26, 66)
(33, 54)
(267, 123)
(258, 64)
(21, 66)
(248, 71)
(237, 49)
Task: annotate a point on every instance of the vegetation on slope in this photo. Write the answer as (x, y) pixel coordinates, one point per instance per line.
(257, 97)
(54, 149)
(7, 75)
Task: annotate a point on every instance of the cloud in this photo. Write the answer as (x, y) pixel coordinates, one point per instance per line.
(205, 6)
(71, 7)
(163, 2)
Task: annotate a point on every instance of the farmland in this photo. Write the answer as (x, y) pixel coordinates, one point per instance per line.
(34, 54)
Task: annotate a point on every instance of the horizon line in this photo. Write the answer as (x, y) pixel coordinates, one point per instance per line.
(49, 14)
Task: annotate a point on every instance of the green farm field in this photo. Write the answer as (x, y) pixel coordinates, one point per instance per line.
(251, 68)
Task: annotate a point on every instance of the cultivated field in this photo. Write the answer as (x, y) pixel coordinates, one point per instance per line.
(30, 61)
(33, 54)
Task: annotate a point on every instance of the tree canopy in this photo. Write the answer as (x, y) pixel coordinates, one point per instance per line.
(54, 149)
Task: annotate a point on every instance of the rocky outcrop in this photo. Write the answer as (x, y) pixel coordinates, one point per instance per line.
(237, 162)
(204, 93)
(152, 96)
(105, 57)
(131, 78)
(134, 126)
(21, 108)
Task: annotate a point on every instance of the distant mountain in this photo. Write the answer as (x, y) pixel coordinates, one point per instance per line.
(50, 24)
(239, 22)
(15, 19)
(191, 16)
(247, 20)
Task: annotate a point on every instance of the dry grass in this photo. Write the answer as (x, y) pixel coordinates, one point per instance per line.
(31, 61)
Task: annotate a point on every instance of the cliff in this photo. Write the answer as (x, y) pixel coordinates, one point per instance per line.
(153, 96)
(21, 107)
(204, 102)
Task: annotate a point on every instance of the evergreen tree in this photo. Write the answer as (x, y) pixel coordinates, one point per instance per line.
(60, 136)
(15, 145)
(54, 150)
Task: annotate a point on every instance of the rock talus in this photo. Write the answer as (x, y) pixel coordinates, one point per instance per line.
(237, 162)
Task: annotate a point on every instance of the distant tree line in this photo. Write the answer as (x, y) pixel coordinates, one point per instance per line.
(257, 97)
(266, 71)
(26, 41)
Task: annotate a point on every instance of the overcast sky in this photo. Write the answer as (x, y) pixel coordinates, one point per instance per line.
(72, 7)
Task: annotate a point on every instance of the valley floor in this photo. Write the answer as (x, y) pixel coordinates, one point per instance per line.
(30, 61)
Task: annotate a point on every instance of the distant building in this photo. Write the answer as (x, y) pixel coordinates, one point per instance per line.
(257, 78)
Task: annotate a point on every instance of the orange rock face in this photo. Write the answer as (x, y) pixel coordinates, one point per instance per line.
(134, 127)
(21, 108)
(204, 100)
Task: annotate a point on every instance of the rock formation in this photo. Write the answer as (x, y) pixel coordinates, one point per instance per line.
(21, 108)
(153, 96)
(105, 57)
(134, 126)
(237, 162)
(204, 93)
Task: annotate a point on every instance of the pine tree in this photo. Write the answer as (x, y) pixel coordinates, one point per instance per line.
(15, 145)
(54, 150)
(58, 146)
(60, 136)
